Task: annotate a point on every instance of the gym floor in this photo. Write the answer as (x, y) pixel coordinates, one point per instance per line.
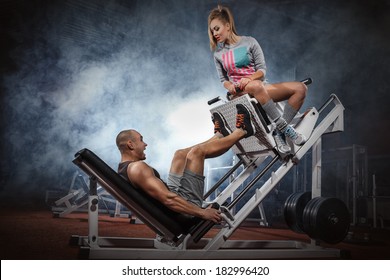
(33, 233)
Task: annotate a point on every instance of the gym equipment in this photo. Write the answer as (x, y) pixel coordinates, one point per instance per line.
(324, 219)
(293, 210)
(77, 199)
(181, 237)
(170, 225)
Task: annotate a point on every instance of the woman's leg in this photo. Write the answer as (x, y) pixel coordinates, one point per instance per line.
(294, 92)
(267, 95)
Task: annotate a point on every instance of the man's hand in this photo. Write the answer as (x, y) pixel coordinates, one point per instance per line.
(212, 215)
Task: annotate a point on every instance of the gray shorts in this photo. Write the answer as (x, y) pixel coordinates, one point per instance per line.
(190, 186)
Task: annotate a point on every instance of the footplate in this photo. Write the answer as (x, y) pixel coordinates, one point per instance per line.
(262, 141)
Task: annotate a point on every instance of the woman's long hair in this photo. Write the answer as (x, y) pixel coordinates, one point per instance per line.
(225, 15)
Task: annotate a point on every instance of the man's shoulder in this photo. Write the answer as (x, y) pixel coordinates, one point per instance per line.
(139, 170)
(136, 165)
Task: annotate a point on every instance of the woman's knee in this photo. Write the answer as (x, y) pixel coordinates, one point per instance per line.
(255, 87)
(301, 90)
(258, 91)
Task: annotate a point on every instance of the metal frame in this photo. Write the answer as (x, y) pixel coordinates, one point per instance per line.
(77, 198)
(219, 247)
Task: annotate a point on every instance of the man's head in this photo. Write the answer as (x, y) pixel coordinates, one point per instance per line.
(130, 143)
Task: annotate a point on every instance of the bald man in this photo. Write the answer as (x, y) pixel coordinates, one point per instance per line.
(184, 189)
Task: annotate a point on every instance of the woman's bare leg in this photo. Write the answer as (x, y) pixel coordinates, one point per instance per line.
(294, 92)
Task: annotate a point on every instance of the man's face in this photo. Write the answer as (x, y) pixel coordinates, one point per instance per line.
(139, 146)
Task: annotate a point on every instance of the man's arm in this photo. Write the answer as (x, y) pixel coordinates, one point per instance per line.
(142, 176)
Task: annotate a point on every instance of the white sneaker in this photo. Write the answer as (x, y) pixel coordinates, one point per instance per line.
(298, 139)
(281, 144)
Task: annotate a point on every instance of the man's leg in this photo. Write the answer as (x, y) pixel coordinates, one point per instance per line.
(186, 173)
(197, 155)
(180, 157)
(192, 182)
(176, 171)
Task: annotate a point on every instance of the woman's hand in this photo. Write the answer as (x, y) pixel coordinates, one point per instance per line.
(231, 88)
(243, 83)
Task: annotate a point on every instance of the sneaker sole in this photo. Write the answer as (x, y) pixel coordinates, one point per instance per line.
(248, 113)
(224, 130)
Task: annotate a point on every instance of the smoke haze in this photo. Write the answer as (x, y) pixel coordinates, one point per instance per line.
(76, 73)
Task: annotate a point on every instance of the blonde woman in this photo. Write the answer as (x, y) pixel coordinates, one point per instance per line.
(241, 67)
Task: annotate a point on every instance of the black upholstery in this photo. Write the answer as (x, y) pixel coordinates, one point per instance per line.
(153, 213)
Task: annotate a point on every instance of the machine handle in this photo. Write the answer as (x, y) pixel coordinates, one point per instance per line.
(307, 81)
(212, 101)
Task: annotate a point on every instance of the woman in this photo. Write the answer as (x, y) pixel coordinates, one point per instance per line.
(241, 67)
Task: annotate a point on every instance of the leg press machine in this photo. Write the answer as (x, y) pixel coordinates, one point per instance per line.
(182, 237)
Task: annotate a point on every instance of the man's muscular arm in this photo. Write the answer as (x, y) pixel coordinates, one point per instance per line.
(142, 176)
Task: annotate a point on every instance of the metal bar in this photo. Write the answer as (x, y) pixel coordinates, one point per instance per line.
(354, 186)
(251, 183)
(374, 200)
(223, 179)
(93, 213)
(316, 168)
(238, 181)
(144, 248)
(331, 98)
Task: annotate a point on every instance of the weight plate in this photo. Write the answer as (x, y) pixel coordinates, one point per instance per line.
(308, 213)
(331, 221)
(288, 210)
(293, 210)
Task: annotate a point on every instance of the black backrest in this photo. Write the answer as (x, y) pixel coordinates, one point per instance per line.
(157, 216)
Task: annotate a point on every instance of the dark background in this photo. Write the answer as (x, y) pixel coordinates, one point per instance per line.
(74, 73)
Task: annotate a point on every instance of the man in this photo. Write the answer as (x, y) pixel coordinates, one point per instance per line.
(183, 192)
